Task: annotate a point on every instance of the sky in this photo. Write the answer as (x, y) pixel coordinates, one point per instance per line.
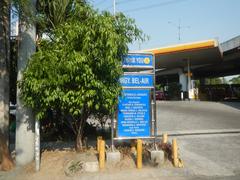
(159, 19)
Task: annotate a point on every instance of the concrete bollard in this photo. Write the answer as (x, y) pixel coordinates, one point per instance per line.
(102, 154)
(99, 138)
(182, 95)
(165, 138)
(164, 142)
(139, 154)
(113, 157)
(175, 152)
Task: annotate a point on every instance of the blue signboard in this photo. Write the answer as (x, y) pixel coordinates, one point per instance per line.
(137, 80)
(134, 113)
(138, 60)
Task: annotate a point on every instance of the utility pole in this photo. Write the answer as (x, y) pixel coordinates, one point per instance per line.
(179, 27)
(179, 30)
(25, 130)
(114, 7)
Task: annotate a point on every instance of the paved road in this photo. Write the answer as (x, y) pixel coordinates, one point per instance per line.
(208, 135)
(211, 155)
(177, 116)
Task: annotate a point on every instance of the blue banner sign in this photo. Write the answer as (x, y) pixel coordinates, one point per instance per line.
(137, 80)
(138, 60)
(134, 113)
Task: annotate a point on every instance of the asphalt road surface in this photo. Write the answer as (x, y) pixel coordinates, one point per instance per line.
(196, 116)
(208, 135)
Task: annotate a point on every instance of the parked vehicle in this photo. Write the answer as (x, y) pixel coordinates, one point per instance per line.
(160, 95)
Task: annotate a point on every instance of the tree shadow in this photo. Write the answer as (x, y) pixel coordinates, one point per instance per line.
(233, 104)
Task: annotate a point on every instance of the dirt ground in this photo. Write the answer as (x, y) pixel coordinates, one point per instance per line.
(53, 166)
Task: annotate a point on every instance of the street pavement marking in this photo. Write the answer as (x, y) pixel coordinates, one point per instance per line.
(200, 132)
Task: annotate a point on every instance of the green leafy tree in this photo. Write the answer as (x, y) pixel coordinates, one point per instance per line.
(77, 71)
(235, 80)
(48, 15)
(224, 80)
(213, 81)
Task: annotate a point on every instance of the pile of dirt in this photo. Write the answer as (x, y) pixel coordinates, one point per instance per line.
(52, 166)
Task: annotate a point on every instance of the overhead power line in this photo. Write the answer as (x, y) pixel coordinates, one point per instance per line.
(126, 1)
(121, 2)
(154, 5)
(100, 2)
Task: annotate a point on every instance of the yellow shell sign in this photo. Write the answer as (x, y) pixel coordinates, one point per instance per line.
(146, 60)
(138, 61)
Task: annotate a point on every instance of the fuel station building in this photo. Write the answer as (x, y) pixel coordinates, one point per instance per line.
(183, 63)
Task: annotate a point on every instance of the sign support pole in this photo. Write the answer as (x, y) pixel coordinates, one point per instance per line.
(114, 7)
(112, 133)
(37, 145)
(112, 118)
(154, 106)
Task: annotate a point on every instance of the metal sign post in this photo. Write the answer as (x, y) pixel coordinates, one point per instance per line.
(154, 108)
(37, 145)
(136, 114)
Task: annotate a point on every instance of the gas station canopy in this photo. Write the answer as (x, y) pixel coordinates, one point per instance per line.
(198, 60)
(198, 53)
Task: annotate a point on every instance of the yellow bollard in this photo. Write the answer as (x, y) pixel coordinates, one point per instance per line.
(175, 152)
(139, 154)
(165, 138)
(102, 154)
(99, 138)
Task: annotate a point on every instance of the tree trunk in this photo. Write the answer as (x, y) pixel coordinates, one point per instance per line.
(4, 66)
(5, 157)
(79, 143)
(6, 162)
(24, 115)
(79, 139)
